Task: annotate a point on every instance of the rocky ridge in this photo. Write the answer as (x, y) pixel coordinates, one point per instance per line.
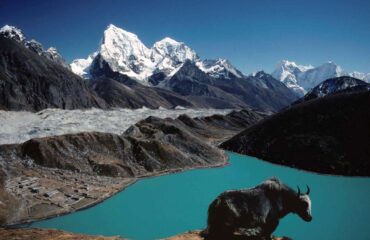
(326, 135)
(32, 82)
(51, 53)
(49, 176)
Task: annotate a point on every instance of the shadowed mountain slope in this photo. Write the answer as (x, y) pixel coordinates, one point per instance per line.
(326, 135)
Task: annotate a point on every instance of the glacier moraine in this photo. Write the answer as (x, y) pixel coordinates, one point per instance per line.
(18, 127)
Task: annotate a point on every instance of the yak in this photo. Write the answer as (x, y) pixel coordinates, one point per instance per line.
(255, 213)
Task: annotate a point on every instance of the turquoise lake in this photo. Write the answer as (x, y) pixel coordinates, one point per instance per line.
(162, 206)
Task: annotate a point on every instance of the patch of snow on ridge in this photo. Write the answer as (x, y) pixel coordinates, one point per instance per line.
(218, 68)
(18, 127)
(12, 33)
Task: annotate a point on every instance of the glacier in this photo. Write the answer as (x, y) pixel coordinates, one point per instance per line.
(18, 127)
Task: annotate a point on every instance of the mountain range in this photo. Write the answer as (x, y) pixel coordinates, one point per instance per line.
(123, 72)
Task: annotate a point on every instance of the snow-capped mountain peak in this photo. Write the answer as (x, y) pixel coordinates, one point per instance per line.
(168, 54)
(219, 68)
(53, 55)
(169, 47)
(302, 78)
(359, 75)
(290, 65)
(12, 33)
(125, 53)
(34, 46)
(81, 66)
(119, 41)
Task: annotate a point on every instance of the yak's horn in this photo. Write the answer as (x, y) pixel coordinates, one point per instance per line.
(308, 190)
(299, 191)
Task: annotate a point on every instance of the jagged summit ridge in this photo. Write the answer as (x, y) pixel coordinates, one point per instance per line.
(16, 34)
(125, 53)
(219, 68)
(12, 33)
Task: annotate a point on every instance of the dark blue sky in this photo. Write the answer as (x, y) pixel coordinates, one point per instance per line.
(253, 35)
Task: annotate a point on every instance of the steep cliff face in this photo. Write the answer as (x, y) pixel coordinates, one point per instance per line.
(326, 135)
(31, 82)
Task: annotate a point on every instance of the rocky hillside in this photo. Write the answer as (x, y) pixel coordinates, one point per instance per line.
(48, 176)
(230, 92)
(120, 91)
(32, 82)
(47, 234)
(326, 135)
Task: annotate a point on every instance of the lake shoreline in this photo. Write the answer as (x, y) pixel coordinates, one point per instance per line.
(159, 199)
(300, 169)
(27, 223)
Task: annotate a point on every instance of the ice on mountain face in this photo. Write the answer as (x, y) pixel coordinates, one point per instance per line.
(18, 127)
(81, 67)
(302, 79)
(287, 72)
(219, 68)
(168, 54)
(12, 33)
(125, 53)
(312, 77)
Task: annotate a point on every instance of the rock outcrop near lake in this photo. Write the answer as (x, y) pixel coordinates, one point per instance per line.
(326, 135)
(49, 176)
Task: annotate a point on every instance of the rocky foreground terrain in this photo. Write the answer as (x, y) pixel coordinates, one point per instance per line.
(51, 234)
(327, 135)
(196, 235)
(49, 176)
(47, 234)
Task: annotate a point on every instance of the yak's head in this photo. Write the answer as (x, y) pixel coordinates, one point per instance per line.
(304, 205)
